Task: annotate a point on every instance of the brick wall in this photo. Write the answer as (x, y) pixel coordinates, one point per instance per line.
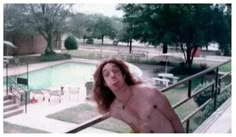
(27, 44)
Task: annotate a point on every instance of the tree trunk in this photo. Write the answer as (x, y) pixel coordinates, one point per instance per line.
(83, 39)
(130, 46)
(206, 47)
(188, 61)
(49, 49)
(102, 39)
(165, 48)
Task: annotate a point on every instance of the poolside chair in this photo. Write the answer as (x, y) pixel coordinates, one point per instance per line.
(89, 88)
(55, 93)
(38, 92)
(160, 81)
(74, 91)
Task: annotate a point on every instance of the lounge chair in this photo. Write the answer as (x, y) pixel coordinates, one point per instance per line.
(38, 92)
(56, 93)
(74, 91)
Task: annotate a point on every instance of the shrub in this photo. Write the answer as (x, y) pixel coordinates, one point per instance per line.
(182, 69)
(205, 95)
(70, 43)
(89, 41)
(209, 109)
(54, 57)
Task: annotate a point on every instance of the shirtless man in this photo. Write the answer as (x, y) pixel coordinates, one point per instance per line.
(141, 106)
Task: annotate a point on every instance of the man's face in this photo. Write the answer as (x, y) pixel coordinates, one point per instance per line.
(113, 76)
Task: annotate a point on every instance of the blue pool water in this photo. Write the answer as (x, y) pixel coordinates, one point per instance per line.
(58, 75)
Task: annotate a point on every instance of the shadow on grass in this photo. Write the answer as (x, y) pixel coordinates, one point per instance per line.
(85, 112)
(12, 128)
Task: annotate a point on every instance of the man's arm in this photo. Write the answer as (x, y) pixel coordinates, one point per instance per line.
(167, 110)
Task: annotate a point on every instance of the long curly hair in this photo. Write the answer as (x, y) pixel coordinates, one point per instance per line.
(102, 94)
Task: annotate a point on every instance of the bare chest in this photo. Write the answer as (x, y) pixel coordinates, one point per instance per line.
(135, 113)
(144, 115)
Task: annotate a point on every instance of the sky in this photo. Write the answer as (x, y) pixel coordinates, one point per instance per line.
(107, 9)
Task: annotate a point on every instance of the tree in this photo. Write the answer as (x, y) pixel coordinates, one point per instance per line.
(184, 25)
(14, 21)
(80, 26)
(123, 34)
(130, 23)
(101, 27)
(46, 19)
(221, 29)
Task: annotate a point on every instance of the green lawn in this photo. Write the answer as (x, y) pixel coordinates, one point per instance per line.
(13, 128)
(85, 112)
(225, 68)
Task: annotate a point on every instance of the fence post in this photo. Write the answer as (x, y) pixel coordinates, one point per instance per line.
(187, 125)
(219, 88)
(7, 82)
(26, 102)
(212, 91)
(189, 87)
(216, 88)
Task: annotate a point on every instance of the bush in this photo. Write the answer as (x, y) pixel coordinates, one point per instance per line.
(182, 69)
(89, 41)
(70, 43)
(205, 95)
(54, 57)
(209, 109)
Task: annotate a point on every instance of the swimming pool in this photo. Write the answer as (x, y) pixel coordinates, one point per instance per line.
(67, 73)
(61, 74)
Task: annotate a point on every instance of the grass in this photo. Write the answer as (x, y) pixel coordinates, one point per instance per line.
(225, 68)
(85, 112)
(13, 128)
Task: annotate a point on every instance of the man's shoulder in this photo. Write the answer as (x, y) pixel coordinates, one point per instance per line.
(147, 89)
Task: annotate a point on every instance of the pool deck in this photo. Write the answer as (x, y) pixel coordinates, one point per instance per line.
(37, 112)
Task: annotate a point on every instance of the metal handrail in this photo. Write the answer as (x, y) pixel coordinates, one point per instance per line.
(194, 76)
(14, 82)
(17, 87)
(186, 119)
(195, 93)
(89, 123)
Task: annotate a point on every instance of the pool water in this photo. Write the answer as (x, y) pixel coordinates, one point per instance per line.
(67, 73)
